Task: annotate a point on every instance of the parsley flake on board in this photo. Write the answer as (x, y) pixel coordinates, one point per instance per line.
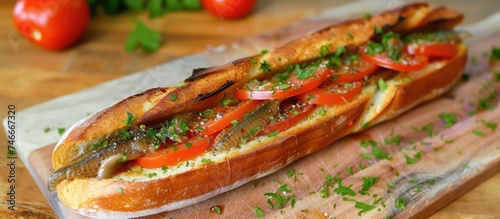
(368, 182)
(448, 118)
(259, 212)
(364, 207)
(344, 190)
(409, 160)
(490, 125)
(401, 203)
(379, 153)
(216, 209)
(478, 133)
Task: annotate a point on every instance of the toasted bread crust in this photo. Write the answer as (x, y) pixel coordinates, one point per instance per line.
(260, 157)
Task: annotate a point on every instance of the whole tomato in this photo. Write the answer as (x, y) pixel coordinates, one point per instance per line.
(228, 9)
(51, 24)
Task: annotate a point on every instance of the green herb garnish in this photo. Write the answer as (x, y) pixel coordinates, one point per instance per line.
(259, 212)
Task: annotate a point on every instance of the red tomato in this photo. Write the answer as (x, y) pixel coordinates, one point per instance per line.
(290, 87)
(407, 63)
(228, 9)
(347, 74)
(333, 94)
(444, 50)
(177, 153)
(291, 112)
(51, 24)
(209, 124)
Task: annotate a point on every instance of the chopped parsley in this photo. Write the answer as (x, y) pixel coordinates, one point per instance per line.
(381, 84)
(364, 207)
(490, 125)
(350, 36)
(368, 182)
(130, 119)
(123, 158)
(365, 155)
(227, 102)
(216, 209)
(151, 175)
(259, 212)
(344, 190)
(61, 130)
(379, 153)
(322, 112)
(263, 52)
(303, 73)
(400, 203)
(206, 160)
(448, 118)
(255, 129)
(264, 66)
(272, 134)
(279, 200)
(173, 97)
(368, 15)
(234, 122)
(124, 134)
(46, 130)
(350, 171)
(119, 190)
(324, 192)
(478, 133)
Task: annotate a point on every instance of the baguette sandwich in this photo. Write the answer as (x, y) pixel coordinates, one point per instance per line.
(171, 147)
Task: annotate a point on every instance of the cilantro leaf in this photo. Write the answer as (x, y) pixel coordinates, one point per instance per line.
(143, 36)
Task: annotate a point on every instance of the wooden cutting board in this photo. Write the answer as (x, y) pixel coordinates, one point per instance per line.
(452, 161)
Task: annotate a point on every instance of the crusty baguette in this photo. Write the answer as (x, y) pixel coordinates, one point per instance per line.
(154, 105)
(187, 185)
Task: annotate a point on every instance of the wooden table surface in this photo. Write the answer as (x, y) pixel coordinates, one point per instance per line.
(30, 75)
